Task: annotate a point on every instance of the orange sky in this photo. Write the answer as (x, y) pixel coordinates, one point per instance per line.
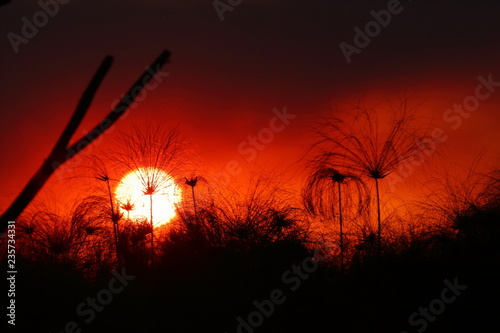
(227, 77)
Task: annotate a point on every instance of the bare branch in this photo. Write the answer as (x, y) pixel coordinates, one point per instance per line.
(61, 153)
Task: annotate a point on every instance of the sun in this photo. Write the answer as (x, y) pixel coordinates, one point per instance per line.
(132, 194)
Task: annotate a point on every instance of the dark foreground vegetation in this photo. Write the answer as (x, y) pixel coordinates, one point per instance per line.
(210, 269)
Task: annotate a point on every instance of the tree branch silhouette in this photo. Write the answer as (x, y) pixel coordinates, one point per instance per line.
(61, 153)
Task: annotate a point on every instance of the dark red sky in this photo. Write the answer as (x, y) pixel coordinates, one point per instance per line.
(226, 77)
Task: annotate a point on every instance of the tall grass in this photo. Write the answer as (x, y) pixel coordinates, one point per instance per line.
(103, 175)
(80, 239)
(155, 154)
(456, 197)
(192, 182)
(367, 146)
(322, 194)
(263, 214)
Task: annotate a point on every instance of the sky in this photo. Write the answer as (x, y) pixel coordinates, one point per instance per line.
(227, 79)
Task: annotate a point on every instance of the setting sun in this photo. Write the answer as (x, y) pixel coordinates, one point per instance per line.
(133, 194)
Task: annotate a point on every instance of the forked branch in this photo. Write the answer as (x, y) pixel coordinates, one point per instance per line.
(61, 152)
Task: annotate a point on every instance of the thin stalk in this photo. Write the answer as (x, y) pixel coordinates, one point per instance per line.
(341, 230)
(194, 205)
(151, 222)
(115, 223)
(379, 229)
(32, 243)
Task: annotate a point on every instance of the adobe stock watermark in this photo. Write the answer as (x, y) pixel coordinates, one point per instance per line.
(292, 278)
(93, 305)
(372, 29)
(453, 116)
(420, 319)
(48, 9)
(222, 6)
(253, 144)
(133, 99)
(11, 272)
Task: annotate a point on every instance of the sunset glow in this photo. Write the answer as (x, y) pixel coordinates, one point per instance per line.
(250, 166)
(136, 205)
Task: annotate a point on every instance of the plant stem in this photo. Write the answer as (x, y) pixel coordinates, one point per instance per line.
(151, 222)
(341, 230)
(115, 223)
(379, 229)
(194, 205)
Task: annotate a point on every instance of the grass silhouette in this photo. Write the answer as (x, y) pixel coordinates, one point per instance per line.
(367, 146)
(103, 175)
(155, 155)
(322, 192)
(192, 182)
(208, 273)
